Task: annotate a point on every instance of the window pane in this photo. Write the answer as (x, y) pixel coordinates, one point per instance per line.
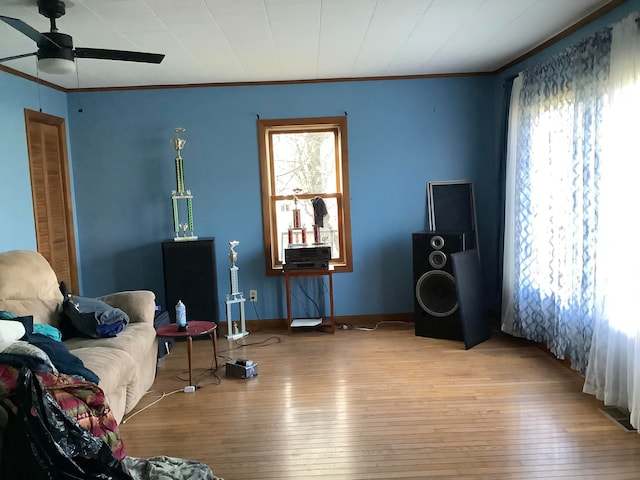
(328, 233)
(305, 161)
(302, 159)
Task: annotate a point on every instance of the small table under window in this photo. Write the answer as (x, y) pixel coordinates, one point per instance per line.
(325, 323)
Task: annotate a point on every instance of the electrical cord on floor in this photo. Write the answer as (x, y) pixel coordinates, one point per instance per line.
(202, 373)
(276, 339)
(273, 340)
(199, 374)
(164, 394)
(197, 385)
(202, 377)
(344, 326)
(225, 357)
(348, 326)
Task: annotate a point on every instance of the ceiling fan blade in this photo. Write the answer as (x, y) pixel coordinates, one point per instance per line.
(15, 57)
(106, 54)
(27, 30)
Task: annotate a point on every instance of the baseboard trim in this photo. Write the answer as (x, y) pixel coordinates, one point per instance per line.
(275, 324)
(374, 319)
(566, 361)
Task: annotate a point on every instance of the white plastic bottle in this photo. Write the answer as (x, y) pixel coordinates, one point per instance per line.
(181, 314)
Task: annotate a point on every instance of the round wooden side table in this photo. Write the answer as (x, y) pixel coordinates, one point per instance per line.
(194, 329)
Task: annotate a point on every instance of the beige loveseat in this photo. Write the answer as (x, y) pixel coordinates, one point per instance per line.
(125, 364)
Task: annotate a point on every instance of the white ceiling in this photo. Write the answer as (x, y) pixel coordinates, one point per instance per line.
(219, 41)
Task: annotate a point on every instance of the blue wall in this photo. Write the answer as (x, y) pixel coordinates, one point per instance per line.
(16, 207)
(401, 134)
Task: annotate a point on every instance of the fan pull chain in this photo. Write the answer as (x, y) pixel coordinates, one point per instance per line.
(38, 82)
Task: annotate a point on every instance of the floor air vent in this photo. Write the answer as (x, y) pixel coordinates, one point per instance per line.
(619, 416)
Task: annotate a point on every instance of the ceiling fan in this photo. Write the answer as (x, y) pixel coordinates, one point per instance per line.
(55, 49)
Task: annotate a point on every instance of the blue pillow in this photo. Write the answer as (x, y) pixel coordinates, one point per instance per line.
(90, 317)
(104, 313)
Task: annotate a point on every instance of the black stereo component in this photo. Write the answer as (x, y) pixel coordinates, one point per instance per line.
(307, 258)
(239, 368)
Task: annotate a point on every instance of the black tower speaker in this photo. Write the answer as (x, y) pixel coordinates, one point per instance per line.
(437, 312)
(190, 276)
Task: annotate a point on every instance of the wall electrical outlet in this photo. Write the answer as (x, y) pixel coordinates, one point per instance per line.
(253, 295)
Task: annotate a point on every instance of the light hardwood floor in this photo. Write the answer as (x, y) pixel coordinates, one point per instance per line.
(383, 404)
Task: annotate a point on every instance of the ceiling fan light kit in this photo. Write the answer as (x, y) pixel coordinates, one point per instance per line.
(56, 54)
(56, 66)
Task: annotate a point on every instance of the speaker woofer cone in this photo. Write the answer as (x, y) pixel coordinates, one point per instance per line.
(436, 293)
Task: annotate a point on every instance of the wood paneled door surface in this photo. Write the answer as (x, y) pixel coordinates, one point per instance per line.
(51, 192)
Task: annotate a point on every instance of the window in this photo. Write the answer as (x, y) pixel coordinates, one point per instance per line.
(301, 160)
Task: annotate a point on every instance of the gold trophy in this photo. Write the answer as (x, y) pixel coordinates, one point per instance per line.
(181, 193)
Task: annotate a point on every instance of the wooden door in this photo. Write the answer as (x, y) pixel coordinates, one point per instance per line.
(51, 192)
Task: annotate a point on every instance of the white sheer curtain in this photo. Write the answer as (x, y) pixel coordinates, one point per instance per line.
(572, 224)
(508, 265)
(613, 370)
(551, 198)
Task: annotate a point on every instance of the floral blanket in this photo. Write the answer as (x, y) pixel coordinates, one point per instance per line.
(81, 400)
(85, 402)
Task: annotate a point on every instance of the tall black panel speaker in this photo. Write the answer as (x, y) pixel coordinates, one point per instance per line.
(452, 208)
(190, 276)
(437, 312)
(475, 323)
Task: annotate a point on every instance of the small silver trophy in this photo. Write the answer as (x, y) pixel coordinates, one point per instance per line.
(233, 271)
(235, 296)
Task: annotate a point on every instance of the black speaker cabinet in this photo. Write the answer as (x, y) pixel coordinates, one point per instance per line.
(437, 312)
(448, 300)
(190, 276)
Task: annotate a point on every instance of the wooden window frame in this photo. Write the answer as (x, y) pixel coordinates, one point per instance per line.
(266, 128)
